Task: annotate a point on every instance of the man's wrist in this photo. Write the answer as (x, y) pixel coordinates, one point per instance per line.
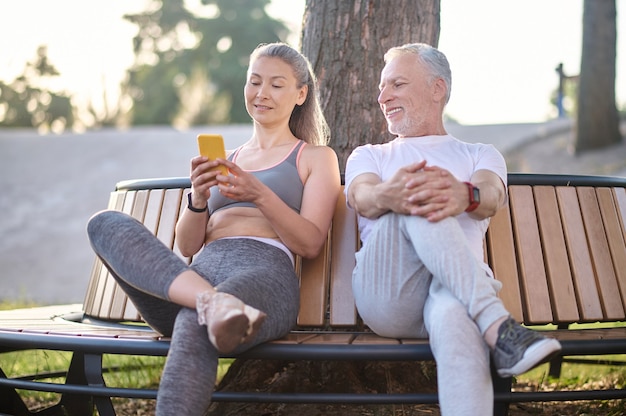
(474, 197)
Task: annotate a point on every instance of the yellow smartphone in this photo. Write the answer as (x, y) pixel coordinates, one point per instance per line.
(212, 146)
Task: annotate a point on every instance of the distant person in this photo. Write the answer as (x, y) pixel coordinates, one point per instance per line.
(243, 230)
(423, 202)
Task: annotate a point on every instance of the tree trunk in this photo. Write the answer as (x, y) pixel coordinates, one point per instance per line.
(345, 42)
(597, 118)
(328, 377)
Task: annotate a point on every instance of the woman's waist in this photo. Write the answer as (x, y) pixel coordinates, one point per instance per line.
(235, 224)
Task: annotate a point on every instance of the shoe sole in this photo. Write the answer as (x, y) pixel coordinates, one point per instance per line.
(255, 319)
(538, 353)
(228, 334)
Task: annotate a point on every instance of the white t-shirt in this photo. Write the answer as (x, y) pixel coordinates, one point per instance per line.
(460, 158)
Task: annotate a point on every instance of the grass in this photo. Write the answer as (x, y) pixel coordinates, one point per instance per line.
(577, 376)
(121, 371)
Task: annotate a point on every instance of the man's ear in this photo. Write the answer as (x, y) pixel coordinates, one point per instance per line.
(440, 89)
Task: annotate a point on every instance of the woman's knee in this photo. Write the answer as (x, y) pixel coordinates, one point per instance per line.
(103, 220)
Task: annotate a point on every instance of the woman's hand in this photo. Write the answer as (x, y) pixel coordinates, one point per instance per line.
(202, 179)
(240, 185)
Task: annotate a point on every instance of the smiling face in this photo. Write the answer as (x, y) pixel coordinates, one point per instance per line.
(411, 100)
(272, 91)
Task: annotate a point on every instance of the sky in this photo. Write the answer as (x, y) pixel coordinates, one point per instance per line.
(503, 53)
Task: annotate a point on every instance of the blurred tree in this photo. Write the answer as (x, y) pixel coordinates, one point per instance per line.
(28, 102)
(190, 65)
(597, 121)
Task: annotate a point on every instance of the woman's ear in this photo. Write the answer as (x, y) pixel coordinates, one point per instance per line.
(304, 91)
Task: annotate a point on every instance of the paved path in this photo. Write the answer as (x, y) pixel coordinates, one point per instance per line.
(51, 185)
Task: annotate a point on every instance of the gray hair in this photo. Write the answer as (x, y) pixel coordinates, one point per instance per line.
(433, 59)
(307, 121)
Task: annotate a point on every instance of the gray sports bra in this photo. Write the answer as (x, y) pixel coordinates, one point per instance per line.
(282, 178)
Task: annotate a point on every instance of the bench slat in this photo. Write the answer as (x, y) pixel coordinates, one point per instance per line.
(151, 215)
(153, 210)
(314, 288)
(580, 260)
(616, 238)
(97, 282)
(620, 200)
(501, 256)
(120, 300)
(370, 338)
(169, 216)
(337, 338)
(344, 246)
(599, 248)
(555, 255)
(182, 207)
(126, 309)
(533, 281)
(106, 308)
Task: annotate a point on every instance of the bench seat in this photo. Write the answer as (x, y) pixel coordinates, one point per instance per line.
(558, 247)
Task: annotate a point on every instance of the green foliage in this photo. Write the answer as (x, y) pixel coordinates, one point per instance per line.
(6, 305)
(26, 102)
(190, 69)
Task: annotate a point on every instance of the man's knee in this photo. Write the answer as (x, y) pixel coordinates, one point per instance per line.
(390, 319)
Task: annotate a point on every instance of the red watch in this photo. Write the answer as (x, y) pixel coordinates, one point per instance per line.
(474, 197)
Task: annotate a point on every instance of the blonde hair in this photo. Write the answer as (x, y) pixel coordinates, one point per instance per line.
(307, 121)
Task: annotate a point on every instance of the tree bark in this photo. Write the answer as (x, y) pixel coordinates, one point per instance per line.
(597, 123)
(345, 42)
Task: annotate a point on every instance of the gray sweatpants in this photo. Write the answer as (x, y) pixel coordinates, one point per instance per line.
(259, 274)
(415, 278)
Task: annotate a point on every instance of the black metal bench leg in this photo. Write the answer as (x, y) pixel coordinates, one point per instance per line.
(10, 402)
(93, 372)
(76, 404)
(501, 390)
(555, 367)
(86, 369)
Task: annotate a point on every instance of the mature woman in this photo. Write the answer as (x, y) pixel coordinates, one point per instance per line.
(243, 230)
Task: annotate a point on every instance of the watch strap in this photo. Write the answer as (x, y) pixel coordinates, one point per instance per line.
(192, 208)
(474, 202)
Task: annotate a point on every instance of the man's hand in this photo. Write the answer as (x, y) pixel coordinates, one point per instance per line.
(436, 194)
(371, 197)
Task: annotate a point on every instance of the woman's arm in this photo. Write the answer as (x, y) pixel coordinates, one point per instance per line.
(191, 226)
(305, 233)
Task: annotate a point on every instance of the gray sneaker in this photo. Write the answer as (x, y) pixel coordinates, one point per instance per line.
(520, 349)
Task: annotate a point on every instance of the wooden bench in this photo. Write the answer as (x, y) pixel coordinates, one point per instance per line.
(558, 247)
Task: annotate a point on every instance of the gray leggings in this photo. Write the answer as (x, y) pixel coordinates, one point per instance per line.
(259, 274)
(415, 278)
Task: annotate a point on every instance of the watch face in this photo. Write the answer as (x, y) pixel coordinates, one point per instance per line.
(476, 194)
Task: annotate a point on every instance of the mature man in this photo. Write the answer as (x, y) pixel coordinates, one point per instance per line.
(424, 201)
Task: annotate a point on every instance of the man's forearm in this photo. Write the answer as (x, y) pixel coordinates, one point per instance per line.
(365, 200)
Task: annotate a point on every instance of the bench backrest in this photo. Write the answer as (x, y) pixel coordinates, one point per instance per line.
(558, 247)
